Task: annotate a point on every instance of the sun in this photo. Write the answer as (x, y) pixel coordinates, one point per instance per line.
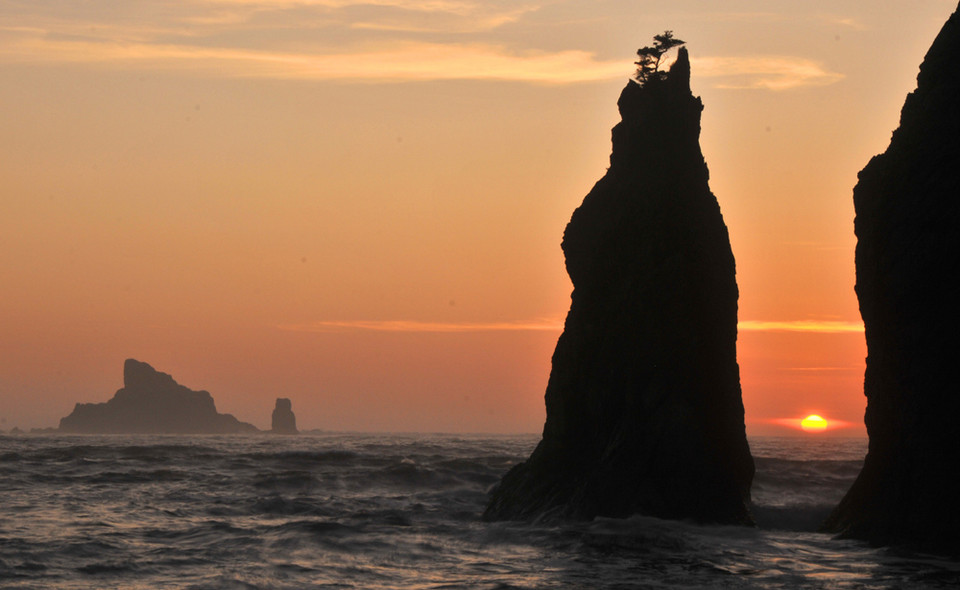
(813, 423)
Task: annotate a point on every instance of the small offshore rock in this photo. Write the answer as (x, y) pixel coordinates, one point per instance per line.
(283, 420)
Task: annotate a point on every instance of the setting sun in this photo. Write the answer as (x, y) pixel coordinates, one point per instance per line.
(813, 423)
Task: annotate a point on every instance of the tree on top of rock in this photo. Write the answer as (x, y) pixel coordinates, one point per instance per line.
(648, 66)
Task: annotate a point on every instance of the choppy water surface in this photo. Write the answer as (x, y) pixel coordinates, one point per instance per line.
(397, 511)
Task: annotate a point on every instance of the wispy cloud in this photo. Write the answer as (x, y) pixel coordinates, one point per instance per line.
(355, 41)
(820, 326)
(402, 62)
(458, 6)
(449, 16)
(462, 24)
(764, 72)
(554, 325)
(820, 369)
(413, 326)
(799, 15)
(405, 16)
(842, 21)
(729, 16)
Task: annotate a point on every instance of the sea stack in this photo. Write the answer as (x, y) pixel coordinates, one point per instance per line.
(907, 224)
(152, 402)
(644, 412)
(283, 421)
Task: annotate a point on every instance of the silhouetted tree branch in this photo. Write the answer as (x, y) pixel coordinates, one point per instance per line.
(650, 58)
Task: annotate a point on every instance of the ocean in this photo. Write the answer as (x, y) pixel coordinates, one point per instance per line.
(341, 510)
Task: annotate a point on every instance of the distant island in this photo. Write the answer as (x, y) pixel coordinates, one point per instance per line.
(151, 402)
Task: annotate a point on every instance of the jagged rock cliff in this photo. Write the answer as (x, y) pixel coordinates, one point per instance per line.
(283, 421)
(908, 259)
(152, 402)
(644, 413)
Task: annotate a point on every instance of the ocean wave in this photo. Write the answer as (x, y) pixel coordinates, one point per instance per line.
(286, 480)
(796, 517)
(391, 512)
(278, 505)
(135, 476)
(787, 492)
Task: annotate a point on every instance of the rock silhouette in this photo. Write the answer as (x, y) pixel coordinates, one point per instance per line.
(908, 257)
(283, 420)
(152, 402)
(644, 412)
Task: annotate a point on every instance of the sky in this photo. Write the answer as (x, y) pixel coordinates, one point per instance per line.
(359, 204)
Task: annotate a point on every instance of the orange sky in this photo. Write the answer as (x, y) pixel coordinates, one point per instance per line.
(359, 205)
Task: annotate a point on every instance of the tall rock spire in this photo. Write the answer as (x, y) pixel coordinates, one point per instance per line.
(907, 205)
(644, 413)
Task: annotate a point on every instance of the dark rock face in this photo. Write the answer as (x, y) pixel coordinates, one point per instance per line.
(908, 259)
(283, 420)
(152, 402)
(644, 413)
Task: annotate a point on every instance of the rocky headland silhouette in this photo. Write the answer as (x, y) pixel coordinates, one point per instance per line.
(644, 409)
(283, 420)
(152, 402)
(907, 224)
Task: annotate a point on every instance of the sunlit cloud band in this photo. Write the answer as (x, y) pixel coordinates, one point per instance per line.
(404, 61)
(821, 326)
(796, 423)
(821, 369)
(764, 72)
(411, 326)
(830, 327)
